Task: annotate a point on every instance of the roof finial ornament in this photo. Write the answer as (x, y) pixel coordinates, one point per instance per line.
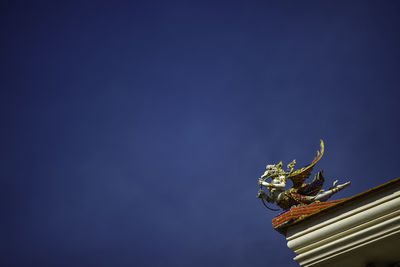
(300, 193)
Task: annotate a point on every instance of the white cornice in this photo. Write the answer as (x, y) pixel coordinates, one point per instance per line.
(352, 233)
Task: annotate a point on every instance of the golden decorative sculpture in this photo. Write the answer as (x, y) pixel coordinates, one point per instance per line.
(301, 193)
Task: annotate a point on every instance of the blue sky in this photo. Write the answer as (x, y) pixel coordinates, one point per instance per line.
(134, 132)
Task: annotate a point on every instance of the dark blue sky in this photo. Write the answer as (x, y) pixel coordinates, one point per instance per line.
(133, 133)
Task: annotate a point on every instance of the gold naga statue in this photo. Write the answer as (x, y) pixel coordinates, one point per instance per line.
(301, 193)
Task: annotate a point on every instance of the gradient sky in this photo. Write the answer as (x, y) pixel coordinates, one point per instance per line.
(134, 132)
